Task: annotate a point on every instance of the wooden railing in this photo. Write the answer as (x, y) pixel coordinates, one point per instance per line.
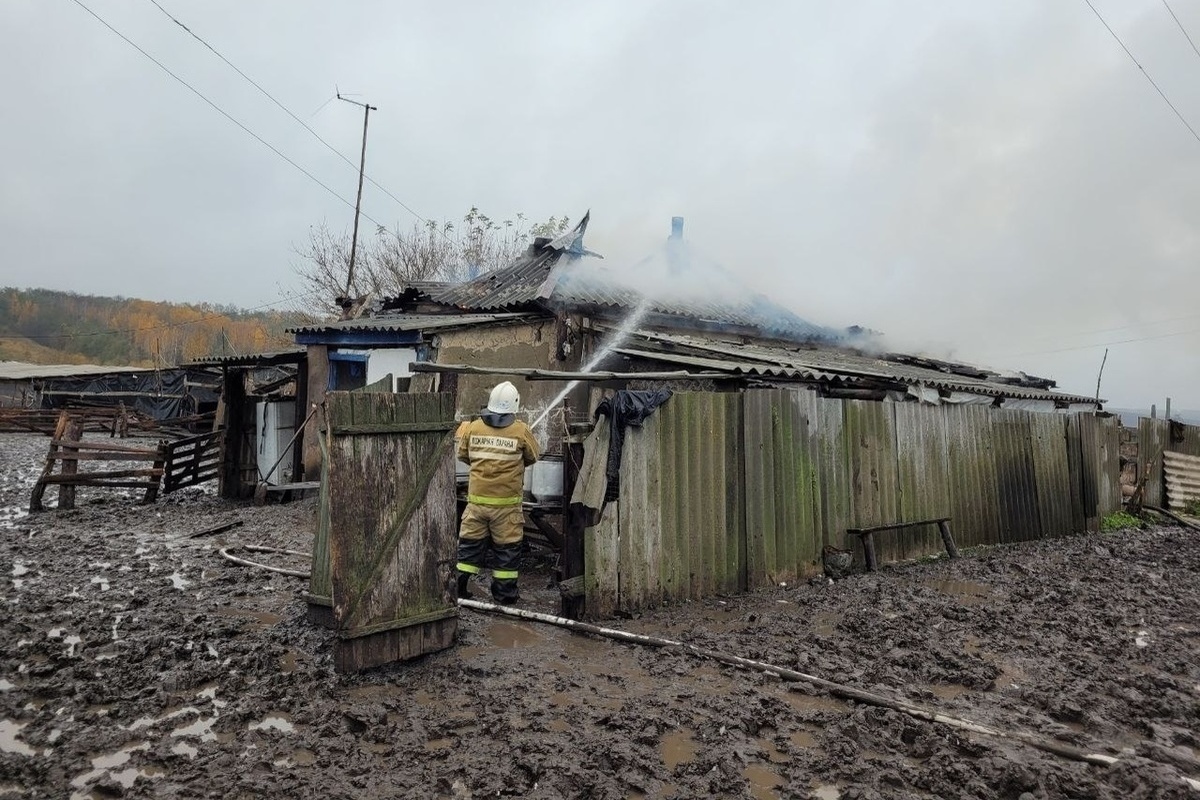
(192, 460)
(68, 450)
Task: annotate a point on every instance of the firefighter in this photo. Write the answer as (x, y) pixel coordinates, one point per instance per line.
(498, 447)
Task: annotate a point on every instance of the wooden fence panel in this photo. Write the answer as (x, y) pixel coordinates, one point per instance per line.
(320, 587)
(392, 533)
(1153, 436)
(1108, 466)
(192, 461)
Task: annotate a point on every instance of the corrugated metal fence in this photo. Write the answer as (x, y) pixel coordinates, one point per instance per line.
(724, 492)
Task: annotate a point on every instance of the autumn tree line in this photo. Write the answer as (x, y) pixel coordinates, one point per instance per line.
(45, 326)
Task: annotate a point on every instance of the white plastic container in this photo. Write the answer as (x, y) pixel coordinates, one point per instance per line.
(547, 479)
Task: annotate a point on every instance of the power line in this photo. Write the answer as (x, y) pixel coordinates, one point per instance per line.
(1161, 94)
(220, 110)
(1134, 326)
(1181, 28)
(1104, 344)
(289, 112)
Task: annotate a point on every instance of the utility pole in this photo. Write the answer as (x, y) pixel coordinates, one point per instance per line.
(362, 163)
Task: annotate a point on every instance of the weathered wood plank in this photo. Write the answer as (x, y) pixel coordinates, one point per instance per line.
(60, 440)
(391, 520)
(320, 585)
(66, 478)
(66, 488)
(366, 652)
(39, 487)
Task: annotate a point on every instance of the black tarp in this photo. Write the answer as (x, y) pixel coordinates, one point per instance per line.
(159, 394)
(625, 408)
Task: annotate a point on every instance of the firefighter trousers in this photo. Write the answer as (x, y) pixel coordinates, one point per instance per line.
(500, 528)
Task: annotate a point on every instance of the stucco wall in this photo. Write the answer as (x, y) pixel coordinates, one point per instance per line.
(527, 346)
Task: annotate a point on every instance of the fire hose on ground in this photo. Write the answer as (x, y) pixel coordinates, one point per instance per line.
(835, 689)
(254, 548)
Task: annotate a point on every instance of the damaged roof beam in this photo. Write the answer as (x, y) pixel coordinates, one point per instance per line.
(554, 375)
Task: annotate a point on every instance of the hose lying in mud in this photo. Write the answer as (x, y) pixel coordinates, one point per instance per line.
(224, 551)
(1185, 523)
(836, 689)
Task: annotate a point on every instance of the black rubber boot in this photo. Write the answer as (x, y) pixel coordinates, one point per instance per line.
(464, 592)
(504, 588)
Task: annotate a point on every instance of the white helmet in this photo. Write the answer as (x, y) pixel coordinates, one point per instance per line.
(505, 399)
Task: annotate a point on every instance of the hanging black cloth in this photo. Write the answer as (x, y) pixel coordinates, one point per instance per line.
(623, 409)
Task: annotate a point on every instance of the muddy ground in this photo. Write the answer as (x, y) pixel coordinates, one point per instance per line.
(136, 662)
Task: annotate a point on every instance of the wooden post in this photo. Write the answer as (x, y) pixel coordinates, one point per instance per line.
(233, 393)
(868, 542)
(152, 489)
(571, 606)
(70, 465)
(39, 488)
(948, 538)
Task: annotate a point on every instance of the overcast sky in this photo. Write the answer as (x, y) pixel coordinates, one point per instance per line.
(990, 181)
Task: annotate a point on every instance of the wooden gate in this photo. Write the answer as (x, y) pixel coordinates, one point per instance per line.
(388, 522)
(193, 460)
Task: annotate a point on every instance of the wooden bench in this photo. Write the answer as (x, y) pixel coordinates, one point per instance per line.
(868, 542)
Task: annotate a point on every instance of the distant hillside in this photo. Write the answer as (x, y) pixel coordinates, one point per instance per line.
(48, 327)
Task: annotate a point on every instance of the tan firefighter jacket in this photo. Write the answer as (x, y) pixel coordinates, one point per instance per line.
(498, 457)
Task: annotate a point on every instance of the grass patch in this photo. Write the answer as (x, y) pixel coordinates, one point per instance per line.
(1121, 520)
(1192, 507)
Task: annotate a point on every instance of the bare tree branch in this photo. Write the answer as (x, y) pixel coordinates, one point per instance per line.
(429, 251)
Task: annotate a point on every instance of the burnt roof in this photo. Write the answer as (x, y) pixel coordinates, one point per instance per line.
(827, 364)
(562, 275)
(517, 286)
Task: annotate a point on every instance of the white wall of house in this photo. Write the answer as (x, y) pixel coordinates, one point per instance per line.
(382, 360)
